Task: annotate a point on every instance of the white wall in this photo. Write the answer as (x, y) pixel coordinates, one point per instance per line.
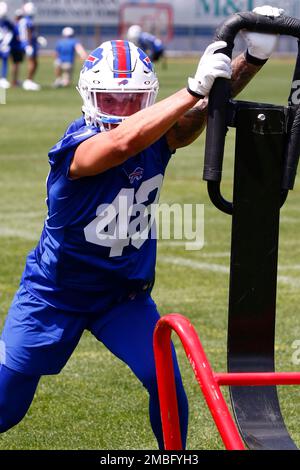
(186, 12)
(189, 15)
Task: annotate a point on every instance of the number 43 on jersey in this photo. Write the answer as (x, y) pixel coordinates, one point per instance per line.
(127, 219)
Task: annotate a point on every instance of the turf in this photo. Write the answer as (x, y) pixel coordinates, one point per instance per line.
(96, 402)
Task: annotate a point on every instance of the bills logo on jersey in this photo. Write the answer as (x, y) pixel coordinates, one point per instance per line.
(145, 59)
(123, 82)
(136, 175)
(93, 59)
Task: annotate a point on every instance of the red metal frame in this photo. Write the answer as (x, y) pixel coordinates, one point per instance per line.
(208, 380)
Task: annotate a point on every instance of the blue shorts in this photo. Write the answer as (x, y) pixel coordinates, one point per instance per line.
(38, 339)
(4, 55)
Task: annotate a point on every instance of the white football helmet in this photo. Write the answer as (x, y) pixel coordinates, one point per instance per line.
(67, 32)
(19, 13)
(134, 33)
(29, 9)
(116, 81)
(3, 9)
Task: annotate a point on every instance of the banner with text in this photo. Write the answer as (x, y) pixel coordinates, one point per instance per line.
(106, 12)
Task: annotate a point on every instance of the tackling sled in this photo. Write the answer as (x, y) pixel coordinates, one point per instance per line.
(266, 160)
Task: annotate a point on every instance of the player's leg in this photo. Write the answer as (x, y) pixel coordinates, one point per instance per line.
(32, 67)
(58, 73)
(71, 72)
(127, 330)
(66, 78)
(4, 71)
(160, 56)
(36, 340)
(16, 394)
(4, 83)
(17, 59)
(32, 64)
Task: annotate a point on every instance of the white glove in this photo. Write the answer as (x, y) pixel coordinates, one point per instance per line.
(211, 66)
(29, 50)
(261, 46)
(266, 10)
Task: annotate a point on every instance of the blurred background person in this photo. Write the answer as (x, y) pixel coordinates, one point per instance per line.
(17, 50)
(152, 45)
(66, 49)
(29, 41)
(7, 33)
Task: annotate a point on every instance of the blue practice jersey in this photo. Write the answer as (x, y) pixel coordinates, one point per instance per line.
(98, 240)
(7, 33)
(24, 25)
(149, 42)
(16, 43)
(66, 50)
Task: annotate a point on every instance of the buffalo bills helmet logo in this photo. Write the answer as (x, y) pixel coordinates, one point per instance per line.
(93, 59)
(145, 59)
(136, 175)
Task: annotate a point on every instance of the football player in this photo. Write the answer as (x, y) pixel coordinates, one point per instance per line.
(66, 49)
(29, 41)
(93, 268)
(17, 51)
(7, 35)
(152, 45)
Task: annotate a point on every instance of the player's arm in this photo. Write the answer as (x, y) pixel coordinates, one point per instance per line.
(5, 43)
(244, 68)
(193, 122)
(29, 35)
(139, 131)
(243, 72)
(9, 35)
(29, 46)
(80, 50)
(189, 126)
(110, 149)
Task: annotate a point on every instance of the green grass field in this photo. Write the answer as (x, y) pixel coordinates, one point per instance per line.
(96, 402)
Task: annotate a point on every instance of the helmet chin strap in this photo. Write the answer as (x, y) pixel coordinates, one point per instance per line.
(102, 127)
(90, 117)
(104, 124)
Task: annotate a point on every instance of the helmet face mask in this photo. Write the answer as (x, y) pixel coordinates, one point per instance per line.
(120, 104)
(116, 81)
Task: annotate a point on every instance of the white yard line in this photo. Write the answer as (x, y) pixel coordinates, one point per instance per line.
(289, 267)
(23, 215)
(290, 281)
(185, 262)
(289, 220)
(18, 233)
(218, 268)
